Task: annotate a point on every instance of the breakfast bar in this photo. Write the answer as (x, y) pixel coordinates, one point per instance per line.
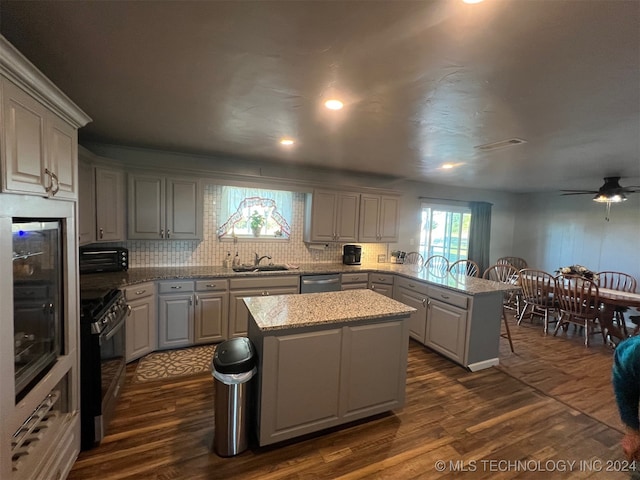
(325, 359)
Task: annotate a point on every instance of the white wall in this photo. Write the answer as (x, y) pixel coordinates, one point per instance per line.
(553, 231)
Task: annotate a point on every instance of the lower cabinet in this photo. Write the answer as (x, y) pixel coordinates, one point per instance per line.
(414, 294)
(255, 287)
(175, 314)
(319, 379)
(142, 322)
(381, 283)
(354, 281)
(211, 311)
(446, 330)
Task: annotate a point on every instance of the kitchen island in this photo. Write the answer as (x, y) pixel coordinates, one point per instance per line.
(325, 359)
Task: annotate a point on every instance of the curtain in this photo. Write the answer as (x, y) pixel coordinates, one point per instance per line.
(480, 234)
(235, 199)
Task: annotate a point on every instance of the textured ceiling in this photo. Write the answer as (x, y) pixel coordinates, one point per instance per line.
(423, 83)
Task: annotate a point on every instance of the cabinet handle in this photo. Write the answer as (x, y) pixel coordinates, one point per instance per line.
(211, 285)
(57, 187)
(101, 232)
(190, 300)
(168, 233)
(197, 299)
(411, 285)
(162, 233)
(49, 187)
(129, 310)
(424, 302)
(446, 297)
(176, 287)
(140, 292)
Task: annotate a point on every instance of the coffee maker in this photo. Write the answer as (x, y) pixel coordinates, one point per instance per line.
(351, 254)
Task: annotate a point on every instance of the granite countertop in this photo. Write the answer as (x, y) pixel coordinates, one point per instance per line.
(460, 283)
(279, 312)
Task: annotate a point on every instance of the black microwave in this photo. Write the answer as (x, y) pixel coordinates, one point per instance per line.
(103, 259)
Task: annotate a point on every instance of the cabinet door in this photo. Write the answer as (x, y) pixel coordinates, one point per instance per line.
(354, 286)
(374, 366)
(323, 216)
(175, 321)
(110, 205)
(24, 160)
(212, 312)
(347, 212)
(183, 207)
(300, 392)
(418, 319)
(61, 156)
(86, 204)
(141, 328)
(369, 212)
(447, 330)
(146, 207)
(388, 219)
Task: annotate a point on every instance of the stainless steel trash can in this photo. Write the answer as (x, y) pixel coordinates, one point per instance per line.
(233, 366)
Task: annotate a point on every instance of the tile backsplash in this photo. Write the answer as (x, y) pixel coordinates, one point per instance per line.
(212, 251)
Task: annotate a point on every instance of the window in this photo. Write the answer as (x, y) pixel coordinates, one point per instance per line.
(254, 212)
(445, 231)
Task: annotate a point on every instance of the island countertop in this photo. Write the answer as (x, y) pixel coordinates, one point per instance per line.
(279, 312)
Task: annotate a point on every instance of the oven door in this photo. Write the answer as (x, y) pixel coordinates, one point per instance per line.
(112, 361)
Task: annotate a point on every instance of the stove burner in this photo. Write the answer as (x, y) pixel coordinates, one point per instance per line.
(101, 308)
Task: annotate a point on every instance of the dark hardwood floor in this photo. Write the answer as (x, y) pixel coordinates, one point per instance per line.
(548, 404)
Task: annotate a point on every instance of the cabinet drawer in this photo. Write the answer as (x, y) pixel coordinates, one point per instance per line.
(141, 290)
(354, 278)
(412, 285)
(264, 282)
(381, 278)
(449, 297)
(175, 287)
(212, 285)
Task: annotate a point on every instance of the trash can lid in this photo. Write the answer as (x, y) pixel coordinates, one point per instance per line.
(236, 355)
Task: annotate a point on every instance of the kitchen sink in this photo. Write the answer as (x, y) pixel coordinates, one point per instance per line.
(259, 268)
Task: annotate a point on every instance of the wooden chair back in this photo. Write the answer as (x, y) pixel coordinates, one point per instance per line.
(501, 272)
(414, 258)
(537, 287)
(437, 265)
(465, 267)
(617, 281)
(577, 297)
(517, 262)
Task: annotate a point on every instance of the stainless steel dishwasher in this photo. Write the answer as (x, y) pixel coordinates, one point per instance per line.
(320, 283)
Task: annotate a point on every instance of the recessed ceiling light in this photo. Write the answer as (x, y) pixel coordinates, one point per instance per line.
(447, 165)
(472, 1)
(333, 104)
(286, 141)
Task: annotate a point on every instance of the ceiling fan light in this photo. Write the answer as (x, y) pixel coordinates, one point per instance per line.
(604, 198)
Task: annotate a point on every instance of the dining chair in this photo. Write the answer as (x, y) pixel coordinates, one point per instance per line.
(538, 295)
(517, 262)
(414, 258)
(465, 267)
(437, 265)
(623, 282)
(504, 273)
(578, 301)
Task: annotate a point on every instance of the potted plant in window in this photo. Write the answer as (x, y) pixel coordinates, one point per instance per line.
(256, 221)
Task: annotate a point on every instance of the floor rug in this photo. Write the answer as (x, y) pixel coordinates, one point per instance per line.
(174, 363)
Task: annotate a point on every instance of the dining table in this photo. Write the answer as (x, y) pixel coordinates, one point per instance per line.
(610, 299)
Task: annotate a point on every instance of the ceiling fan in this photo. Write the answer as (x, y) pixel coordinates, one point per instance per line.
(610, 192)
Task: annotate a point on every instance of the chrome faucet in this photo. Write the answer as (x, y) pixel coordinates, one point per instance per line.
(257, 259)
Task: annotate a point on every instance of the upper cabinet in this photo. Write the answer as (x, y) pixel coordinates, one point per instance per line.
(378, 218)
(101, 201)
(164, 208)
(331, 216)
(39, 131)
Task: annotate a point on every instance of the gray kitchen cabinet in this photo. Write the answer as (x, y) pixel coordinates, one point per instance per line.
(362, 373)
(211, 311)
(142, 322)
(110, 204)
(255, 287)
(381, 283)
(414, 294)
(331, 216)
(164, 208)
(175, 314)
(446, 330)
(39, 149)
(86, 204)
(353, 281)
(378, 218)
